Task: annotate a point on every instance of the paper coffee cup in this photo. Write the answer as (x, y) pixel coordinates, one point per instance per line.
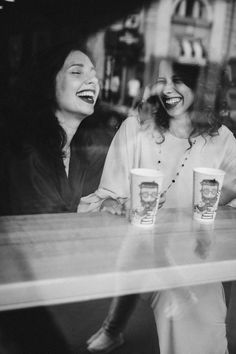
(145, 193)
(207, 184)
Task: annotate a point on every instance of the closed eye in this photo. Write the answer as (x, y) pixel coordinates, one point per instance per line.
(177, 79)
(160, 81)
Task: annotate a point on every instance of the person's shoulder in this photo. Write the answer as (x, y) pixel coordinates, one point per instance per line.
(225, 138)
(225, 132)
(132, 121)
(130, 126)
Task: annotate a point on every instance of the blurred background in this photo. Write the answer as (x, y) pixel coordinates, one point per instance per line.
(128, 39)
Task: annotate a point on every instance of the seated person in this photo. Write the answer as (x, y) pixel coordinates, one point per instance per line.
(184, 134)
(48, 161)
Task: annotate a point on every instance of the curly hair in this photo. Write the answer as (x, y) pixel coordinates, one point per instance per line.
(205, 121)
(204, 118)
(35, 102)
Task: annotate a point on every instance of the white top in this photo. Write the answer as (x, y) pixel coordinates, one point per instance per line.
(136, 145)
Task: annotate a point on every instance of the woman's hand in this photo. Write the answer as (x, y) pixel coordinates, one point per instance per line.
(112, 206)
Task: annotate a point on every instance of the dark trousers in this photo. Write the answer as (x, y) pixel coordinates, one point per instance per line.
(231, 318)
(119, 313)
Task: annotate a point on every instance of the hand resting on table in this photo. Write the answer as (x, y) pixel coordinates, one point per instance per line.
(113, 206)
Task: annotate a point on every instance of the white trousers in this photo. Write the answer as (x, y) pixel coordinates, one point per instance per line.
(191, 320)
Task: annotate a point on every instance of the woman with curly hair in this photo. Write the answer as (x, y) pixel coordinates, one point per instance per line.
(184, 134)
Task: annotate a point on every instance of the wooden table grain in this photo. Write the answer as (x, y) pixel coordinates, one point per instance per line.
(60, 258)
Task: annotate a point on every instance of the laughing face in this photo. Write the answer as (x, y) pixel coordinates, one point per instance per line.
(175, 96)
(77, 85)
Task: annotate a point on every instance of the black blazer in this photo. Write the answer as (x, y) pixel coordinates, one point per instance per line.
(32, 184)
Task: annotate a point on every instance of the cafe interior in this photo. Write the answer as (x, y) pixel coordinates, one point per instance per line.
(60, 271)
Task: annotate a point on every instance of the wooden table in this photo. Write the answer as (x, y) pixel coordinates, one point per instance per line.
(60, 258)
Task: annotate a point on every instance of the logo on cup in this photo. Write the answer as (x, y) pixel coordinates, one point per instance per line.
(209, 194)
(148, 201)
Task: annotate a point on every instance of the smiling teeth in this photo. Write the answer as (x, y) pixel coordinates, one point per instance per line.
(173, 100)
(86, 93)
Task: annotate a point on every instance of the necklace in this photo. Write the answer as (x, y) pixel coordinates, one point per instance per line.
(181, 166)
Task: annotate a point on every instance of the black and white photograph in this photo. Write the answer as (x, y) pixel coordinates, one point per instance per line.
(118, 176)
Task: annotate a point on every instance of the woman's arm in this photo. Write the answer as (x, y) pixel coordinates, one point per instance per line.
(115, 180)
(228, 192)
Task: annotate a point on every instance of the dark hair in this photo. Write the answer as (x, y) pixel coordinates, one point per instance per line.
(35, 121)
(205, 120)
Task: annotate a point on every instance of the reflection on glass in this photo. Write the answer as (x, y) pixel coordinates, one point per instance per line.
(204, 240)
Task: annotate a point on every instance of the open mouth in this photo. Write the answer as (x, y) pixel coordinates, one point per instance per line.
(87, 96)
(171, 102)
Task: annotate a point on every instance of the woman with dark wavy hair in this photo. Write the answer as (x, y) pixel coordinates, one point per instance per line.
(44, 166)
(184, 134)
(50, 157)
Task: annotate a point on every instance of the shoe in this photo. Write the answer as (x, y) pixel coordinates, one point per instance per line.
(103, 343)
(94, 336)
